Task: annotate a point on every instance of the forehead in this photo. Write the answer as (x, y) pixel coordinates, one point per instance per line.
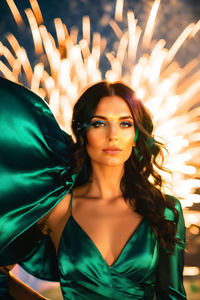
(112, 105)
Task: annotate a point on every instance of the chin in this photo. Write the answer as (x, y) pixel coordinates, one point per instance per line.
(111, 162)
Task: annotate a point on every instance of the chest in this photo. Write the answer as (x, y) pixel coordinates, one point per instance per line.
(109, 227)
(78, 255)
(107, 245)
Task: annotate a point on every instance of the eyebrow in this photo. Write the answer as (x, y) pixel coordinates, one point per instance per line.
(104, 118)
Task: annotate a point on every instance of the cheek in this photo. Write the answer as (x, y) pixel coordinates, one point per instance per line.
(95, 142)
(127, 143)
(127, 138)
(128, 147)
(93, 139)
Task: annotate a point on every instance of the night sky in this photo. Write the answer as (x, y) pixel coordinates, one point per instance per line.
(173, 16)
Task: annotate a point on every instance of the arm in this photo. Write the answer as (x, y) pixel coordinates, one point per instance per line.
(170, 269)
(12, 288)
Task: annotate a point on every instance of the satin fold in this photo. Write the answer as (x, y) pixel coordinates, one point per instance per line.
(4, 294)
(143, 270)
(33, 158)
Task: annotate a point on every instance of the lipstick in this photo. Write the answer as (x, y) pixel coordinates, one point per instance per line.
(112, 150)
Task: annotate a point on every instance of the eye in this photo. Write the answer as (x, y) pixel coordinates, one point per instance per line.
(126, 124)
(97, 124)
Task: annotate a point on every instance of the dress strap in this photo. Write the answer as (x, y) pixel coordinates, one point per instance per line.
(71, 201)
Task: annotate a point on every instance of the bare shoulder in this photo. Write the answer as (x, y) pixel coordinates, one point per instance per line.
(56, 215)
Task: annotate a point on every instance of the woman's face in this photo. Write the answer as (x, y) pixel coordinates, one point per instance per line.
(112, 125)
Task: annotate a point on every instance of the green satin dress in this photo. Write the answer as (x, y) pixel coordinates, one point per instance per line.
(33, 160)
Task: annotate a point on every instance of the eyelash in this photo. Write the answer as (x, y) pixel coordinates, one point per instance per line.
(96, 123)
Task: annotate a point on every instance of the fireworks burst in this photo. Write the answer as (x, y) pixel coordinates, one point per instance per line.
(170, 92)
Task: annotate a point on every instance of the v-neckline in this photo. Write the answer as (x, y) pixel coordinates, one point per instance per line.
(97, 249)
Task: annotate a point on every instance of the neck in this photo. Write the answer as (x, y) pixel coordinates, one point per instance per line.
(105, 181)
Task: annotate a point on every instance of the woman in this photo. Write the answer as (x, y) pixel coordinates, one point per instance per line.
(85, 213)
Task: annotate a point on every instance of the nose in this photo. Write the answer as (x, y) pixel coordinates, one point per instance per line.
(112, 138)
(112, 133)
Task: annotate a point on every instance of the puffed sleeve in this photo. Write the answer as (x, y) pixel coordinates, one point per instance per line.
(170, 268)
(34, 156)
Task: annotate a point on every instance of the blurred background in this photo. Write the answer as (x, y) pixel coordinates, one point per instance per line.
(169, 50)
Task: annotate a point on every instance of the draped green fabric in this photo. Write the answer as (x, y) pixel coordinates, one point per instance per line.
(33, 158)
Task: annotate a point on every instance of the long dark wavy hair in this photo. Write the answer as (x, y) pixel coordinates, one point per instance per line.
(142, 194)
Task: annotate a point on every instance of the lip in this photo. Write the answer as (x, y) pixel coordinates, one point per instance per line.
(112, 150)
